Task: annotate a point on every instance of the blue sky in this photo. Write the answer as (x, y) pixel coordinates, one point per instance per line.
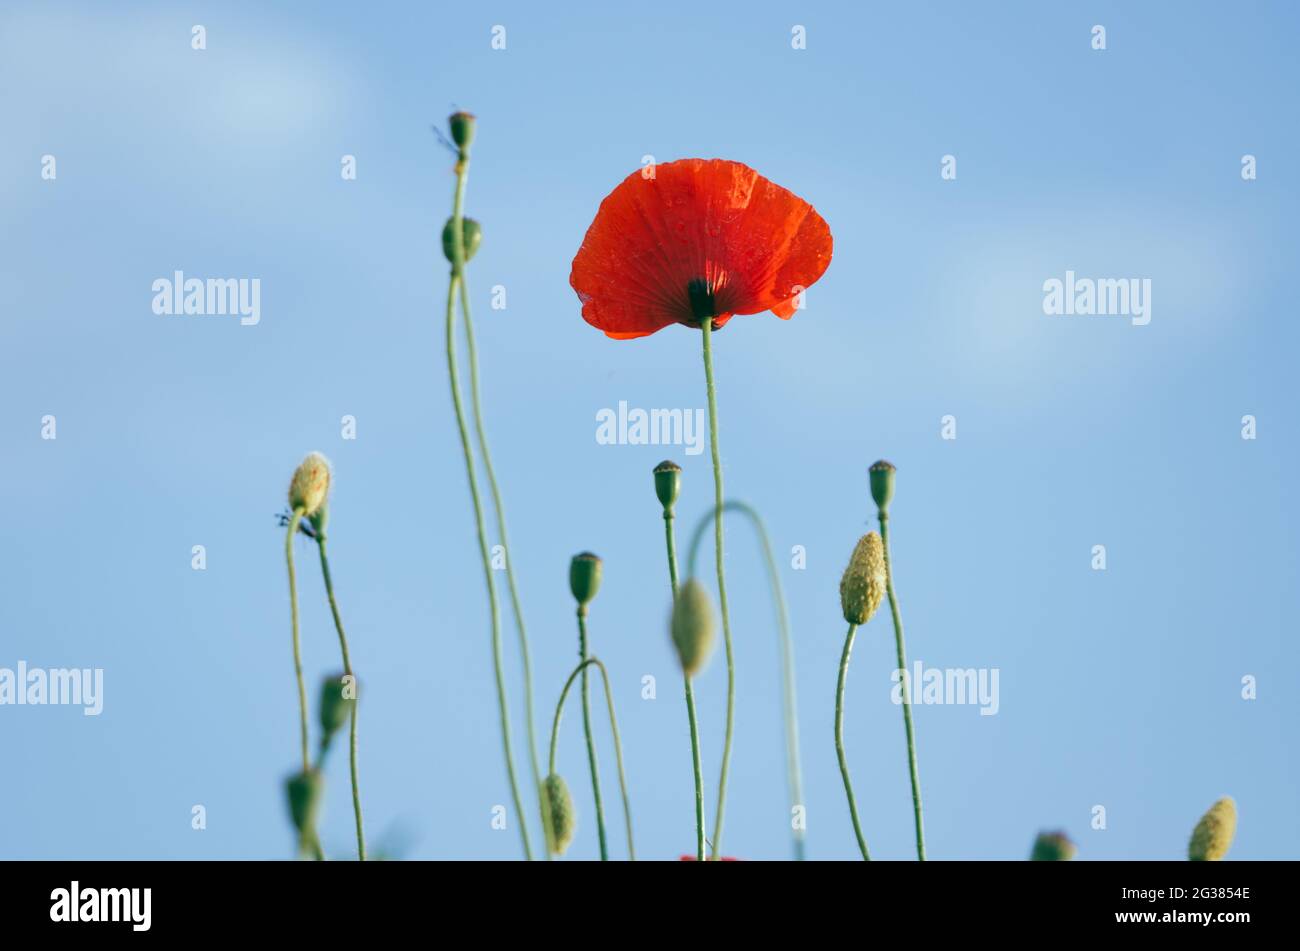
(1120, 688)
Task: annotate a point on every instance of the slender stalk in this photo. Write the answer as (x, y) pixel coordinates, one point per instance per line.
(525, 654)
(297, 644)
(613, 725)
(690, 699)
(839, 738)
(707, 328)
(586, 727)
(794, 769)
(907, 688)
(347, 668)
(497, 663)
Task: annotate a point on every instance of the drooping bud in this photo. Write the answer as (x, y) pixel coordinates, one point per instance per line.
(338, 695)
(584, 577)
(692, 626)
(1212, 836)
(561, 820)
(1052, 847)
(882, 484)
(310, 486)
(462, 128)
(306, 790)
(668, 482)
(471, 238)
(863, 586)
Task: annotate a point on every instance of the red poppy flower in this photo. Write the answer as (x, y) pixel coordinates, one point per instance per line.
(700, 238)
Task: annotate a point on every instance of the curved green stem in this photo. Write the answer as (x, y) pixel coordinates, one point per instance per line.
(586, 727)
(907, 700)
(347, 669)
(525, 654)
(690, 700)
(497, 662)
(839, 738)
(707, 327)
(794, 769)
(297, 643)
(613, 725)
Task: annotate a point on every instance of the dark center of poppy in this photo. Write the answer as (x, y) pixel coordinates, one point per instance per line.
(703, 305)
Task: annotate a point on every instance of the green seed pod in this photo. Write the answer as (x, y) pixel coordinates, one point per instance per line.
(584, 577)
(471, 237)
(1052, 847)
(462, 128)
(561, 820)
(863, 586)
(668, 482)
(692, 626)
(306, 791)
(338, 695)
(882, 483)
(1212, 836)
(310, 486)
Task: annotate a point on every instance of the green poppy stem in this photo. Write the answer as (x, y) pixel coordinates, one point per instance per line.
(297, 643)
(794, 770)
(586, 727)
(690, 700)
(525, 654)
(613, 726)
(706, 326)
(347, 669)
(839, 738)
(907, 688)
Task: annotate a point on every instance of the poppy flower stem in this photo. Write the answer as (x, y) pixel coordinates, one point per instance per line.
(839, 738)
(586, 727)
(347, 669)
(706, 326)
(907, 687)
(671, 541)
(794, 770)
(297, 643)
(613, 726)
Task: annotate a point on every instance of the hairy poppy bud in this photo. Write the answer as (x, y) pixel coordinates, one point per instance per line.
(1052, 847)
(1212, 836)
(462, 128)
(584, 577)
(668, 482)
(306, 790)
(338, 695)
(863, 586)
(561, 820)
(310, 486)
(471, 238)
(882, 483)
(692, 626)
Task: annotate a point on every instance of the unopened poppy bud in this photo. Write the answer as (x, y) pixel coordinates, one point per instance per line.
(863, 586)
(584, 577)
(306, 790)
(561, 820)
(668, 482)
(882, 483)
(462, 128)
(471, 238)
(692, 626)
(1212, 836)
(310, 486)
(1052, 847)
(338, 695)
